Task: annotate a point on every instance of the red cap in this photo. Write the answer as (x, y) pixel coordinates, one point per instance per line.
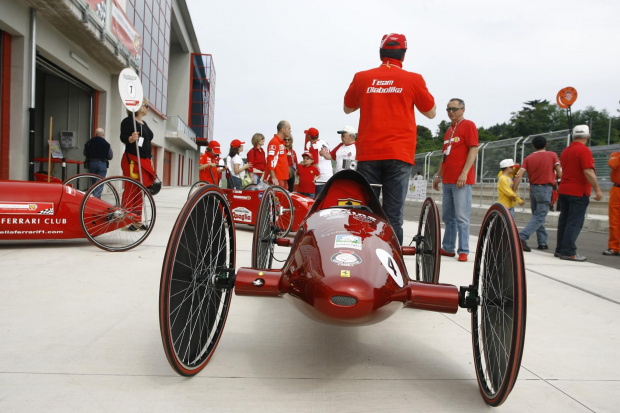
(215, 147)
(306, 154)
(393, 41)
(236, 143)
(312, 132)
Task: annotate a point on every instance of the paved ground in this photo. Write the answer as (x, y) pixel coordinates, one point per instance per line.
(79, 331)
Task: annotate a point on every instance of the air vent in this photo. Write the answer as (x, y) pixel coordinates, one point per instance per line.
(344, 300)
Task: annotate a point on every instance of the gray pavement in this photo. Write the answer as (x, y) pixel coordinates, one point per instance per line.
(80, 332)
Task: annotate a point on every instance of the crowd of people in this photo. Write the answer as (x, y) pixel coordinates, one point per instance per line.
(384, 150)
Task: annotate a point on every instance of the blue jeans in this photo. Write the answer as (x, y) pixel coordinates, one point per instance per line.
(98, 168)
(571, 219)
(234, 182)
(456, 208)
(540, 201)
(394, 176)
(318, 189)
(512, 212)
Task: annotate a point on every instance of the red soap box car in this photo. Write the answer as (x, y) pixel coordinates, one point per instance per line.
(115, 214)
(345, 267)
(291, 207)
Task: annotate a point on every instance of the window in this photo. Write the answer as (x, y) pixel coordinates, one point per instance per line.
(151, 18)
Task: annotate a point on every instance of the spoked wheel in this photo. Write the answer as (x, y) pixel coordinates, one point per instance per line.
(117, 214)
(427, 257)
(82, 182)
(197, 279)
(498, 321)
(265, 232)
(284, 210)
(198, 185)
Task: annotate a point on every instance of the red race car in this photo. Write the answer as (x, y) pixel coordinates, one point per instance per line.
(115, 214)
(291, 207)
(345, 267)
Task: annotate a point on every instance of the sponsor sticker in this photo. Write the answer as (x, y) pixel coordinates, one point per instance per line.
(23, 208)
(241, 214)
(348, 241)
(346, 258)
(345, 273)
(390, 265)
(245, 198)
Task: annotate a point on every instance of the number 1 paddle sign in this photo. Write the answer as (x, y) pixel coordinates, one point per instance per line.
(566, 97)
(130, 89)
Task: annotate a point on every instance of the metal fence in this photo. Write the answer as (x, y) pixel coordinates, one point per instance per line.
(490, 154)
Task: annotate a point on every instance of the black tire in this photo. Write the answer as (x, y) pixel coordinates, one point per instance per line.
(117, 214)
(284, 211)
(428, 258)
(498, 322)
(82, 182)
(265, 232)
(197, 279)
(198, 185)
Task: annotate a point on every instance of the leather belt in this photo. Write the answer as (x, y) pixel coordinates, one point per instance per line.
(541, 184)
(617, 185)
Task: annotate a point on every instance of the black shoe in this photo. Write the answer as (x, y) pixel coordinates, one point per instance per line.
(525, 247)
(543, 247)
(556, 254)
(143, 227)
(611, 252)
(575, 257)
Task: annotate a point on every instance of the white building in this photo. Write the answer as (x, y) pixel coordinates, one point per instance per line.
(60, 59)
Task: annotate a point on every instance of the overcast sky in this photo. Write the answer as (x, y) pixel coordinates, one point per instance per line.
(292, 60)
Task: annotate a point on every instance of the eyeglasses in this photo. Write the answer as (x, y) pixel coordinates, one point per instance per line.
(146, 106)
(287, 139)
(452, 109)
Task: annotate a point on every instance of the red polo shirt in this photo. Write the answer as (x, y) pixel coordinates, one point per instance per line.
(307, 175)
(387, 97)
(276, 159)
(204, 174)
(574, 160)
(463, 137)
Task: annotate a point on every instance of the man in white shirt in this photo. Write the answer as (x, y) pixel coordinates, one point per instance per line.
(345, 150)
(319, 151)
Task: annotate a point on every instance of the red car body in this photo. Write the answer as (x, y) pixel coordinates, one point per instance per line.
(346, 265)
(37, 210)
(244, 206)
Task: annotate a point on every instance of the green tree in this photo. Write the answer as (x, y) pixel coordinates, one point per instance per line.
(426, 141)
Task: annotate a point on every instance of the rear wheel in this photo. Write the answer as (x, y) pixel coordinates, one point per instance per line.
(284, 211)
(117, 214)
(197, 279)
(82, 182)
(498, 321)
(198, 185)
(265, 232)
(427, 256)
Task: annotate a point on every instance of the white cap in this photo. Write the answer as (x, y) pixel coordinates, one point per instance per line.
(348, 129)
(581, 131)
(506, 163)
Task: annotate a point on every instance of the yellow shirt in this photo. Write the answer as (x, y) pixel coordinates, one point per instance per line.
(504, 189)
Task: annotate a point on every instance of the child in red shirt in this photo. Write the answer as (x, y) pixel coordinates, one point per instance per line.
(307, 173)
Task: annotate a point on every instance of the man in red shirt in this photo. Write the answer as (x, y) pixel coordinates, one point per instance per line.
(387, 97)
(578, 178)
(614, 206)
(276, 171)
(543, 169)
(209, 171)
(460, 148)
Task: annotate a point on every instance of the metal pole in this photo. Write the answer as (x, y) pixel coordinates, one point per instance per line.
(609, 132)
(31, 110)
(137, 147)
